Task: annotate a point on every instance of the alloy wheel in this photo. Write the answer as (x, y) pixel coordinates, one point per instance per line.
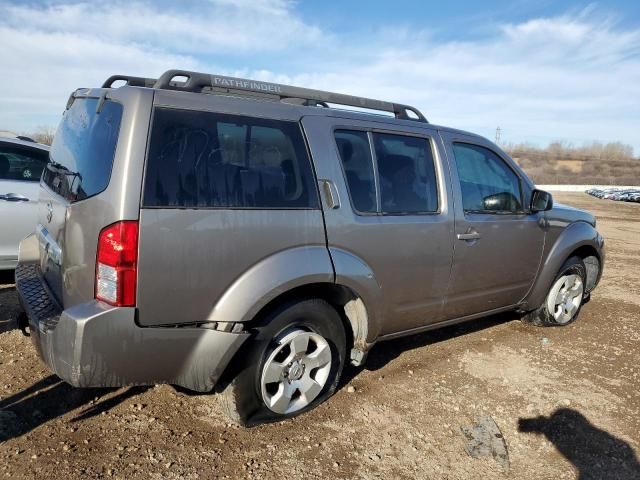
(296, 371)
(565, 298)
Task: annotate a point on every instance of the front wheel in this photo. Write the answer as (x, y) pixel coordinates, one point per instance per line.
(292, 364)
(565, 298)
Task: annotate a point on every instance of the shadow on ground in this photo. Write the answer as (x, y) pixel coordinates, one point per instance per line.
(7, 277)
(595, 453)
(51, 398)
(8, 301)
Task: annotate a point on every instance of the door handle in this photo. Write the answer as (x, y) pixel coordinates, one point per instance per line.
(470, 235)
(331, 194)
(13, 197)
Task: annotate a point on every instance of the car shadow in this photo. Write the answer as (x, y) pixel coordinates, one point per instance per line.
(595, 453)
(51, 398)
(7, 277)
(9, 307)
(384, 352)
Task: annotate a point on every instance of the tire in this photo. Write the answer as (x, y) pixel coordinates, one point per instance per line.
(570, 282)
(282, 371)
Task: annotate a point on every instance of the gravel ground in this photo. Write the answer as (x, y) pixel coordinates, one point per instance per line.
(565, 399)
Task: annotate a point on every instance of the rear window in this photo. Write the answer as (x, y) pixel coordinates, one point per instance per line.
(81, 156)
(203, 159)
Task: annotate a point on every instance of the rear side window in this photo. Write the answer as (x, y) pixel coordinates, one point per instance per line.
(22, 163)
(487, 183)
(355, 154)
(81, 156)
(204, 159)
(407, 174)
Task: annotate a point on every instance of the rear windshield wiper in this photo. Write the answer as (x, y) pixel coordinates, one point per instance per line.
(59, 168)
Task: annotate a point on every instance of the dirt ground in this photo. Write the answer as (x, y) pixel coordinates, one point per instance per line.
(565, 399)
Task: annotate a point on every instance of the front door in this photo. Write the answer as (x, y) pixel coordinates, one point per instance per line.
(498, 242)
(392, 216)
(20, 171)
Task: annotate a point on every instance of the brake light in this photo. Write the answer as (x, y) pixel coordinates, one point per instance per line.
(117, 264)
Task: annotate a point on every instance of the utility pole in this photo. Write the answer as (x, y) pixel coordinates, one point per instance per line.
(498, 132)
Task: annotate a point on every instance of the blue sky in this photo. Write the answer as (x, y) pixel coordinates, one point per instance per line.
(542, 71)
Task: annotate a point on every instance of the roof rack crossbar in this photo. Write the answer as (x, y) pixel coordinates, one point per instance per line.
(131, 81)
(196, 82)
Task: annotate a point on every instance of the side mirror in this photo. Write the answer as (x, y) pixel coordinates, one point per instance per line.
(541, 201)
(501, 202)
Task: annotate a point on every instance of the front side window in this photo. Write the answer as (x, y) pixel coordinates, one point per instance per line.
(22, 163)
(407, 174)
(204, 159)
(355, 154)
(488, 185)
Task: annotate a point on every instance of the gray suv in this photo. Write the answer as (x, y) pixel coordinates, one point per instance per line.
(249, 237)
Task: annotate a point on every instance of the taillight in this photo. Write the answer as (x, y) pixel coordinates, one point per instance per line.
(117, 263)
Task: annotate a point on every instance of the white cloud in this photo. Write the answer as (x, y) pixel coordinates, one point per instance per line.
(49, 51)
(40, 70)
(209, 27)
(575, 77)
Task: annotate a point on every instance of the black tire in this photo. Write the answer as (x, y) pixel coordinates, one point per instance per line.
(542, 317)
(241, 397)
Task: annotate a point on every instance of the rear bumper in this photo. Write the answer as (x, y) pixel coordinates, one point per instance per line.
(96, 345)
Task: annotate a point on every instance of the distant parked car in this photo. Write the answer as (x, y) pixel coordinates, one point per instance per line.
(618, 194)
(21, 165)
(627, 195)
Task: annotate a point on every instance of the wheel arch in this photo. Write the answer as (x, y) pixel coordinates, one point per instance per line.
(348, 303)
(306, 272)
(592, 259)
(578, 239)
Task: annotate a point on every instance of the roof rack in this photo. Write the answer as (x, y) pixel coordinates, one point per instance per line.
(131, 81)
(198, 82)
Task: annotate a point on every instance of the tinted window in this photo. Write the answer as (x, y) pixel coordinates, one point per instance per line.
(22, 163)
(487, 183)
(82, 153)
(407, 174)
(203, 159)
(355, 154)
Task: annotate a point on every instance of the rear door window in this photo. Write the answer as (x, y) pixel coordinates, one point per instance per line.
(407, 174)
(22, 163)
(209, 160)
(355, 154)
(81, 156)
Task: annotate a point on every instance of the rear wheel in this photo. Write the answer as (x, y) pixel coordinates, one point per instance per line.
(565, 298)
(293, 364)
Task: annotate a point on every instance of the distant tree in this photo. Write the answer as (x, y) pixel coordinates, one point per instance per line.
(610, 163)
(44, 134)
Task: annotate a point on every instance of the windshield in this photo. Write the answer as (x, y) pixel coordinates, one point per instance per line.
(81, 156)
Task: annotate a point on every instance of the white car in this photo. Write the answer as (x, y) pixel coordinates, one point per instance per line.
(21, 166)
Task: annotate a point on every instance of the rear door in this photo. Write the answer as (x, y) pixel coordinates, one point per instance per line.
(393, 212)
(20, 170)
(498, 245)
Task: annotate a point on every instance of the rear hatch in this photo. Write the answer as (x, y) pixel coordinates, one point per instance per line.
(79, 168)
